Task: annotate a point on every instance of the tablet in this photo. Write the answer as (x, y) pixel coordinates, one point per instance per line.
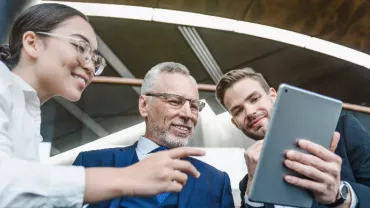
(297, 113)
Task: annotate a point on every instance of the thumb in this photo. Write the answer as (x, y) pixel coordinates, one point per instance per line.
(334, 141)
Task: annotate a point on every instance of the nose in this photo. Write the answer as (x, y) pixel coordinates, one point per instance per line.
(185, 110)
(89, 68)
(251, 110)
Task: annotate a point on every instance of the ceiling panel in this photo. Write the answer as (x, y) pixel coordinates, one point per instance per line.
(296, 66)
(232, 49)
(340, 21)
(141, 45)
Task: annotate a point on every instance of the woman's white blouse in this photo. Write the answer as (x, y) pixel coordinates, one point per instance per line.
(24, 182)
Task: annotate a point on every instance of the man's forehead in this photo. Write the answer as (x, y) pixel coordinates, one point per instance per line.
(237, 93)
(178, 84)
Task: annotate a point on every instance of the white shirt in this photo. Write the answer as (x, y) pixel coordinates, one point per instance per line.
(24, 181)
(144, 146)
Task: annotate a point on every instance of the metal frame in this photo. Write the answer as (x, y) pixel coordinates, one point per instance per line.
(200, 49)
(115, 62)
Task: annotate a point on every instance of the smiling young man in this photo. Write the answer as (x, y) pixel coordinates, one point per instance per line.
(169, 103)
(338, 177)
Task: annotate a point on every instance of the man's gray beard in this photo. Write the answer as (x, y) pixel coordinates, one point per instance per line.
(162, 135)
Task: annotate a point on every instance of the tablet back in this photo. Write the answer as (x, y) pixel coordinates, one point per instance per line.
(297, 114)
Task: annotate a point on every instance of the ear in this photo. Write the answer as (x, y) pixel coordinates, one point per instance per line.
(272, 94)
(143, 106)
(29, 44)
(234, 122)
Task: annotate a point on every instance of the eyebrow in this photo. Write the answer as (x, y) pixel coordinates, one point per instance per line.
(181, 96)
(82, 37)
(247, 98)
(87, 40)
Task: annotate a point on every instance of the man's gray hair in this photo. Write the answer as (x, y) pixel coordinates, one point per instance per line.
(165, 67)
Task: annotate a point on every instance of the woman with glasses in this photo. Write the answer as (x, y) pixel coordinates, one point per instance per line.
(53, 52)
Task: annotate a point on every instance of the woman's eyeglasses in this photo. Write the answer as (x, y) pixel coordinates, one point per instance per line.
(85, 52)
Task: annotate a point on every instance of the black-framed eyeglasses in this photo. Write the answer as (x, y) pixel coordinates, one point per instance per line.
(178, 101)
(85, 52)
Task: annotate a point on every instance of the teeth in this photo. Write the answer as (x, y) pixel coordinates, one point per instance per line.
(80, 79)
(182, 128)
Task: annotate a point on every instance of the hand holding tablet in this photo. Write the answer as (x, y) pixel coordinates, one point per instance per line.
(309, 167)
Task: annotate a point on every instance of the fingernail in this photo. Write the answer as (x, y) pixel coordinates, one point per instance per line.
(288, 178)
(289, 153)
(288, 163)
(301, 142)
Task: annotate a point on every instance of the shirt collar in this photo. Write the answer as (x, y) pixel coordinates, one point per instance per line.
(22, 84)
(26, 88)
(145, 145)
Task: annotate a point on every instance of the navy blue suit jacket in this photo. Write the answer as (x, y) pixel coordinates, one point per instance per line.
(354, 149)
(212, 189)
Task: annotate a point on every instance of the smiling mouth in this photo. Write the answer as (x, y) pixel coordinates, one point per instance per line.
(182, 129)
(81, 79)
(256, 121)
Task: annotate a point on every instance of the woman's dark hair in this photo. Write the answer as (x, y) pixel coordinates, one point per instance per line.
(37, 18)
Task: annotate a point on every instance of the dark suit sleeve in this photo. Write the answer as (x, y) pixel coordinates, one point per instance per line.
(78, 160)
(96, 158)
(243, 188)
(227, 196)
(357, 142)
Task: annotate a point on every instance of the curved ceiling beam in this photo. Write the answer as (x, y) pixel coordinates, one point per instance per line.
(220, 23)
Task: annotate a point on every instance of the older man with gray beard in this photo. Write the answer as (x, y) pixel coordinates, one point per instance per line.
(169, 103)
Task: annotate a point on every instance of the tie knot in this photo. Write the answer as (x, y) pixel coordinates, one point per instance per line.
(158, 149)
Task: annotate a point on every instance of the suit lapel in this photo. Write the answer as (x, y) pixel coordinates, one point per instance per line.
(122, 157)
(125, 156)
(185, 194)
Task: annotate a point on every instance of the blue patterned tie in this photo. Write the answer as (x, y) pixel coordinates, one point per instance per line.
(161, 197)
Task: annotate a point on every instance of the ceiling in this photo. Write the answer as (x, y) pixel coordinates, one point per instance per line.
(340, 21)
(140, 45)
